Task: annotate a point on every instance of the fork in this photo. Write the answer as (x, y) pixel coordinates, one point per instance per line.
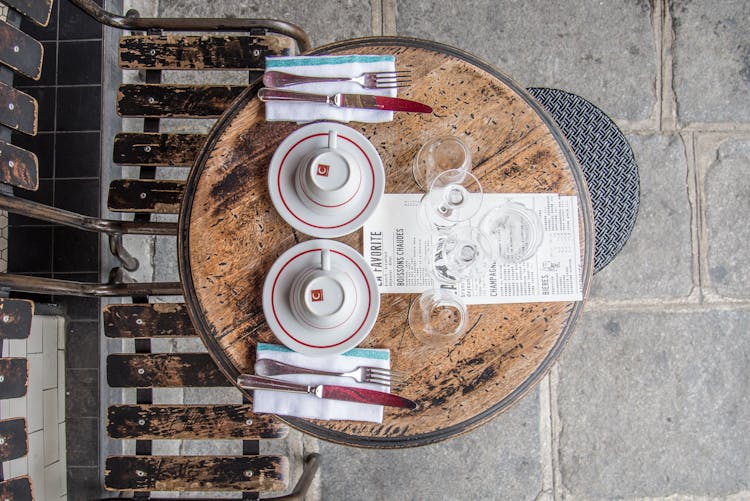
(374, 80)
(362, 374)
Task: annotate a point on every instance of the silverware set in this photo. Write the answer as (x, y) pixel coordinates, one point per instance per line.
(265, 368)
(371, 80)
(276, 81)
(326, 391)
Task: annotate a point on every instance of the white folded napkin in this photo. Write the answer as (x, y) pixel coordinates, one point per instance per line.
(324, 66)
(310, 406)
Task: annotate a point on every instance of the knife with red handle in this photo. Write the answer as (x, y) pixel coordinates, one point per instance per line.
(363, 101)
(361, 395)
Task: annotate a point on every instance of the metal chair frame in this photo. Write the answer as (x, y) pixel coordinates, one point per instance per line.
(116, 287)
(135, 23)
(113, 228)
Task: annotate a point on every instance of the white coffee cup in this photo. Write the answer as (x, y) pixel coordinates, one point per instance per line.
(328, 177)
(323, 297)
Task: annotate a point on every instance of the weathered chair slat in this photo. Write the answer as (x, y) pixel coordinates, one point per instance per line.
(20, 52)
(15, 318)
(196, 473)
(145, 195)
(18, 167)
(38, 11)
(14, 441)
(175, 150)
(176, 101)
(192, 422)
(147, 320)
(15, 377)
(16, 489)
(18, 110)
(163, 370)
(179, 52)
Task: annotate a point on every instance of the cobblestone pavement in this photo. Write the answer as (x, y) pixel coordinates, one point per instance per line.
(651, 399)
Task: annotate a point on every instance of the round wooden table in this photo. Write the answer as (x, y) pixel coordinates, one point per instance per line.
(230, 235)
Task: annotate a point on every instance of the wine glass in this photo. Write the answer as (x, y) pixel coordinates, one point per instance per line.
(438, 155)
(437, 316)
(516, 232)
(459, 254)
(454, 196)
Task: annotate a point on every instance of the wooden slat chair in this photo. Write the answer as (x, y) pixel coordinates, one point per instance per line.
(23, 55)
(154, 101)
(12, 169)
(19, 168)
(154, 51)
(146, 421)
(15, 323)
(113, 228)
(20, 52)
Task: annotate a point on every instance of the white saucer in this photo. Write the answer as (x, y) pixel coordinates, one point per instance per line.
(329, 222)
(302, 337)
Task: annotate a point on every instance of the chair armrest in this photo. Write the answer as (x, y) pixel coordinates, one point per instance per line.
(311, 465)
(193, 24)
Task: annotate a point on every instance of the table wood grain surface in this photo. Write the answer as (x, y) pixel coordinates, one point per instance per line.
(230, 235)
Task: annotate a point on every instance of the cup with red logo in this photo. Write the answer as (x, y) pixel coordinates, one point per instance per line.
(323, 297)
(328, 177)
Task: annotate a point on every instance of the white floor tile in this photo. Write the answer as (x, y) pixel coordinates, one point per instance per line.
(49, 351)
(18, 467)
(60, 386)
(63, 457)
(13, 407)
(53, 475)
(51, 430)
(34, 344)
(35, 404)
(60, 333)
(16, 348)
(36, 461)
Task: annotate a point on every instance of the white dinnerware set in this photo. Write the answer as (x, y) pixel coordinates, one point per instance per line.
(320, 297)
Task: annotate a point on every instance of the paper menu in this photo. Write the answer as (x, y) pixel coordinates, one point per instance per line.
(396, 247)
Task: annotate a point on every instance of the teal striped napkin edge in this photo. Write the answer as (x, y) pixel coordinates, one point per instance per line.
(284, 61)
(354, 352)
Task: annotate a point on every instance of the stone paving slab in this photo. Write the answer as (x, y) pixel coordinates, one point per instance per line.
(323, 20)
(500, 460)
(727, 204)
(656, 404)
(711, 69)
(656, 261)
(604, 51)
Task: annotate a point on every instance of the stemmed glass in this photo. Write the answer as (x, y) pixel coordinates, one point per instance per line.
(459, 254)
(437, 316)
(516, 232)
(454, 196)
(438, 155)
